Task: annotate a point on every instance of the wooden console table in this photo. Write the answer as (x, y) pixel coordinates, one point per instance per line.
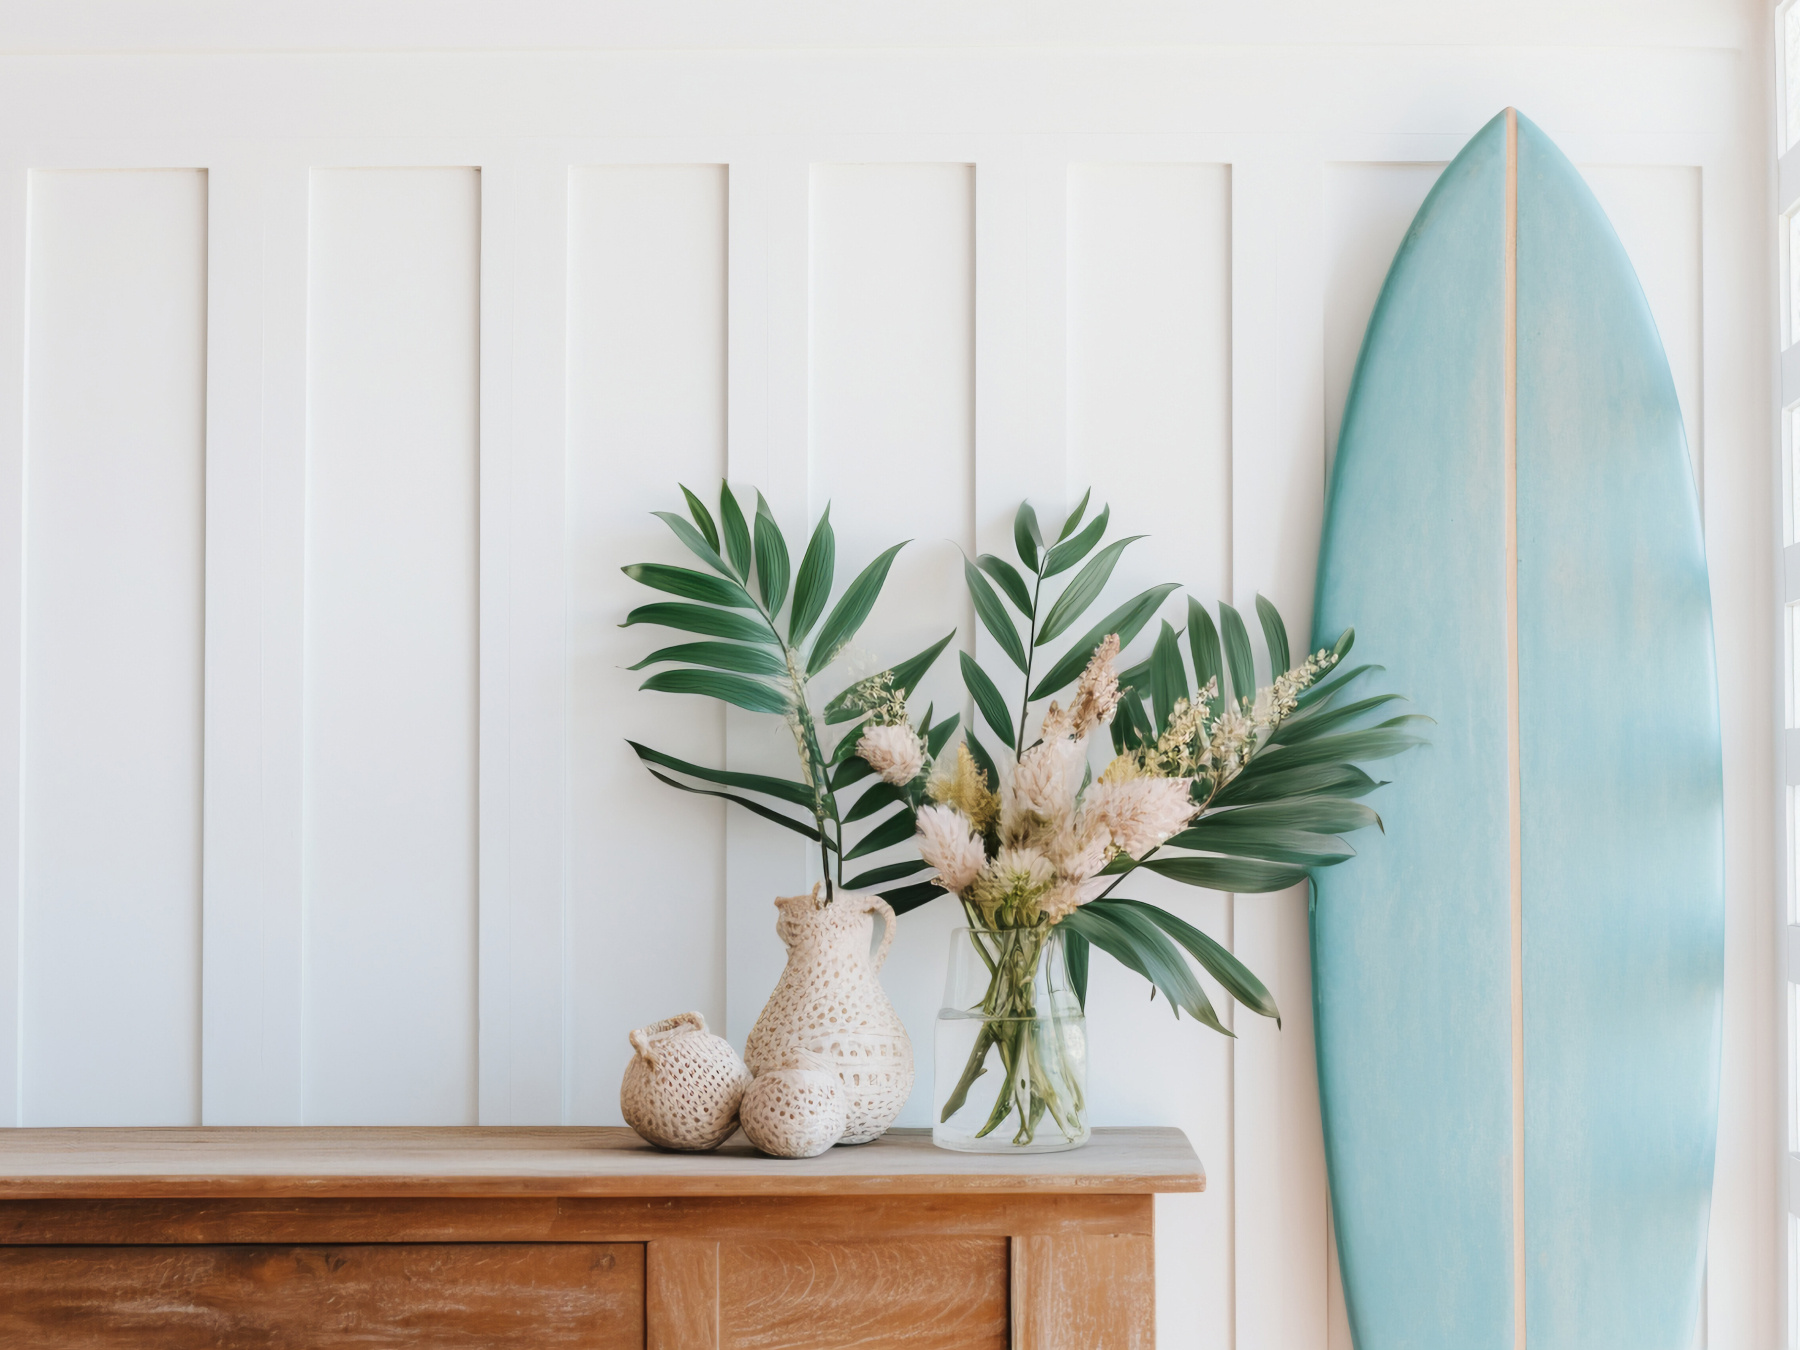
(536, 1239)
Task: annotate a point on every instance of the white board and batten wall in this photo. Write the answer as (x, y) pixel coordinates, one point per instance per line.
(338, 379)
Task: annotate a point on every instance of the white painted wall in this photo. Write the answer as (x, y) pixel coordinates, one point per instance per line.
(342, 359)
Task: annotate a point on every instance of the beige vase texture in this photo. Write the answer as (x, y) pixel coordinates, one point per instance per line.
(829, 1001)
(683, 1085)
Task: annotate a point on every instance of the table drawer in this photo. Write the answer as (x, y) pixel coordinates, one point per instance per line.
(421, 1296)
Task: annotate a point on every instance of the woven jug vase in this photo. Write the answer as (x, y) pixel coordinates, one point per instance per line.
(830, 1002)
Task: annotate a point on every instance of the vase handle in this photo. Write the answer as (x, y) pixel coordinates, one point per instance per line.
(876, 905)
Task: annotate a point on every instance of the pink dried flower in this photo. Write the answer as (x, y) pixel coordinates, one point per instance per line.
(1065, 897)
(1045, 781)
(896, 753)
(947, 842)
(1080, 853)
(1141, 813)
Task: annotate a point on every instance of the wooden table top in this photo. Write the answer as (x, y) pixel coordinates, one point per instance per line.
(551, 1161)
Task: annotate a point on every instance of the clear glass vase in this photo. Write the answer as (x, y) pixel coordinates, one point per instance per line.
(1011, 1053)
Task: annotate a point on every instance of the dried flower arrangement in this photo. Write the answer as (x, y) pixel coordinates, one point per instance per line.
(1240, 793)
(1252, 790)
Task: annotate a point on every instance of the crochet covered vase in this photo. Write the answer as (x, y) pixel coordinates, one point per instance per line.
(683, 1085)
(830, 1002)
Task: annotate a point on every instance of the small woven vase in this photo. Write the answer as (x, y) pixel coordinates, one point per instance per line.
(796, 1111)
(830, 1002)
(683, 1087)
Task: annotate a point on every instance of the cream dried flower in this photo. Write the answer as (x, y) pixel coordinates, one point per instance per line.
(1233, 738)
(1013, 879)
(1097, 691)
(1065, 897)
(1044, 784)
(1140, 814)
(946, 841)
(1079, 852)
(894, 752)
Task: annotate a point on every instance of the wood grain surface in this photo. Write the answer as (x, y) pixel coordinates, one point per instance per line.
(681, 1294)
(554, 1161)
(587, 1219)
(446, 1297)
(1084, 1293)
(922, 1294)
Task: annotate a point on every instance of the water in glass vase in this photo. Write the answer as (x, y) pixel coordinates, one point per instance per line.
(1011, 1051)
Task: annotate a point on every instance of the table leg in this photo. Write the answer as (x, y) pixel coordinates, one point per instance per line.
(681, 1294)
(1084, 1293)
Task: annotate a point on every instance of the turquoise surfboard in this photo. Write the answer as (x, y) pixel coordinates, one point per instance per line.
(1518, 988)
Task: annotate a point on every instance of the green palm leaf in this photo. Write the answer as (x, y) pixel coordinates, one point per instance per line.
(702, 518)
(1168, 681)
(1083, 591)
(1318, 720)
(697, 545)
(896, 829)
(1243, 876)
(780, 788)
(880, 876)
(746, 660)
(1071, 551)
(736, 689)
(851, 609)
(853, 770)
(757, 807)
(1311, 780)
(737, 533)
(1127, 621)
(1139, 945)
(877, 797)
(908, 898)
(812, 588)
(1326, 690)
(988, 700)
(1075, 516)
(1027, 538)
(1275, 634)
(1203, 642)
(1237, 653)
(1009, 580)
(1321, 814)
(1075, 955)
(1382, 741)
(993, 615)
(772, 570)
(1240, 838)
(1231, 973)
(903, 678)
(702, 619)
(690, 585)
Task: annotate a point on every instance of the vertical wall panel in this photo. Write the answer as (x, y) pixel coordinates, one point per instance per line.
(115, 539)
(892, 378)
(646, 333)
(523, 955)
(391, 631)
(1277, 496)
(1150, 428)
(768, 314)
